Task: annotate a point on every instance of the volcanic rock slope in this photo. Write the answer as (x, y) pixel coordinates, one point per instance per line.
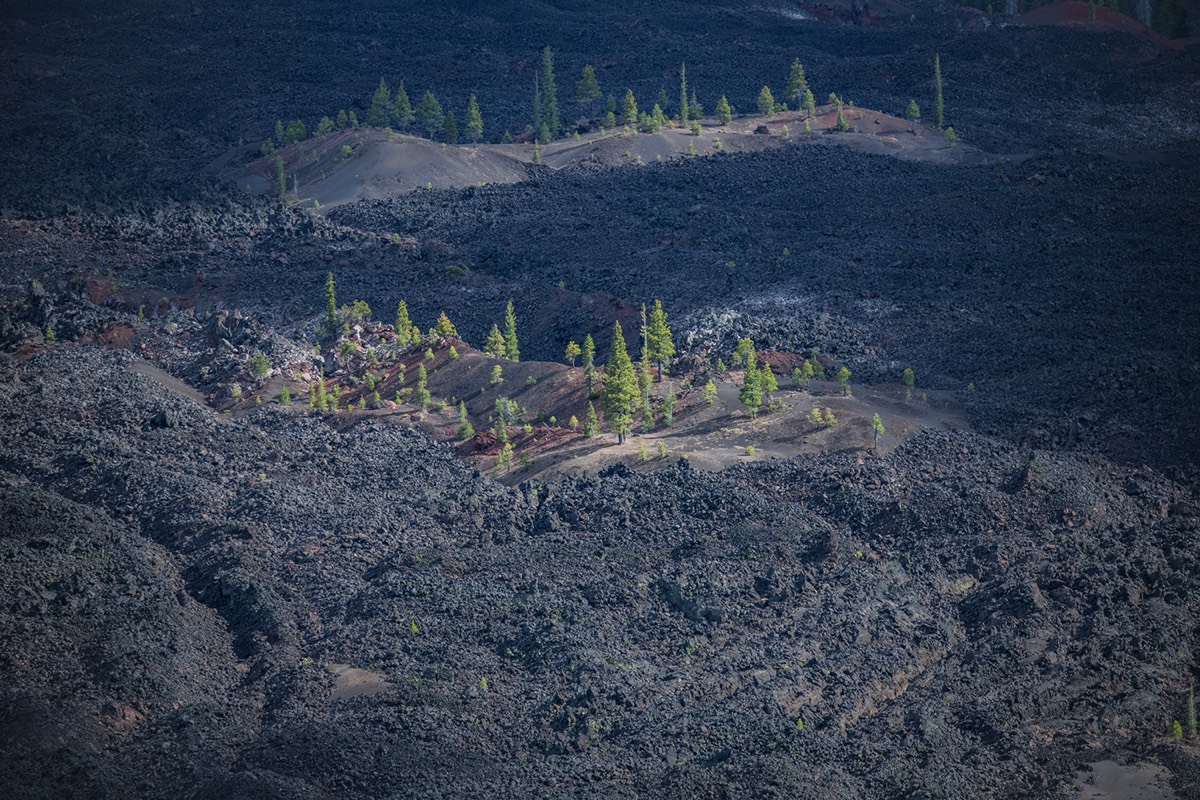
(274, 606)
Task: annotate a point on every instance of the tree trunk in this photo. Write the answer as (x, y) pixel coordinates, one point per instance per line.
(1144, 12)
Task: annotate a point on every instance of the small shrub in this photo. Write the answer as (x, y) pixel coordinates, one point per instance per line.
(285, 397)
(453, 353)
(642, 455)
(662, 450)
(259, 366)
(750, 450)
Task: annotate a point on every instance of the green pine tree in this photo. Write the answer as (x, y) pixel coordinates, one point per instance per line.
(549, 95)
(443, 326)
(767, 381)
(572, 352)
(450, 129)
(809, 104)
(620, 386)
(683, 95)
(402, 110)
(342, 120)
(380, 111)
(797, 84)
(843, 376)
(332, 325)
(629, 109)
(877, 428)
(750, 394)
(494, 346)
(465, 429)
(324, 127)
(285, 397)
(511, 351)
(592, 422)
(723, 112)
(587, 90)
(280, 178)
(913, 113)
(766, 102)
(403, 325)
(658, 336)
(910, 380)
(259, 366)
(938, 104)
(430, 114)
(422, 396)
(709, 393)
(589, 363)
(474, 126)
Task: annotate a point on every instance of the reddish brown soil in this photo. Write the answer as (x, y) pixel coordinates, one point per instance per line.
(1077, 15)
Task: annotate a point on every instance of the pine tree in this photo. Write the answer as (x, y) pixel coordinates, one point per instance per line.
(629, 110)
(806, 373)
(910, 380)
(444, 327)
(280, 178)
(768, 383)
(295, 131)
(497, 376)
(285, 396)
(537, 103)
(843, 376)
(402, 111)
(644, 379)
(331, 316)
(572, 352)
(766, 102)
(938, 105)
(494, 346)
(877, 428)
(709, 393)
(474, 126)
(683, 95)
(259, 366)
(743, 351)
(841, 126)
(589, 363)
(797, 84)
(695, 111)
(429, 112)
(324, 127)
(511, 351)
(592, 422)
(549, 95)
(913, 113)
(587, 90)
(450, 129)
(620, 386)
(810, 103)
(750, 394)
(422, 395)
(723, 112)
(353, 119)
(1191, 712)
(465, 429)
(342, 120)
(403, 324)
(668, 416)
(658, 335)
(381, 106)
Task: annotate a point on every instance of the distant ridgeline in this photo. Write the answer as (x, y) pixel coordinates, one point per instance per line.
(394, 111)
(1171, 18)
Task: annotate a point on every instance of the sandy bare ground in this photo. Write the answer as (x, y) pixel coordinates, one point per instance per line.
(369, 163)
